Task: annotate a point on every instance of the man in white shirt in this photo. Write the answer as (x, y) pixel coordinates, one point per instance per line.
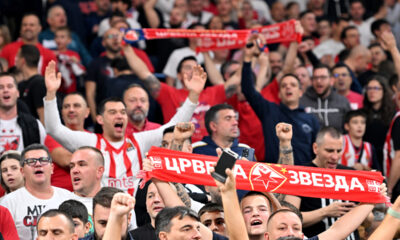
(29, 202)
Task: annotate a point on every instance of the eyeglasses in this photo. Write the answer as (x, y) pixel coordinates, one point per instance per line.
(336, 75)
(42, 160)
(374, 88)
(112, 36)
(320, 77)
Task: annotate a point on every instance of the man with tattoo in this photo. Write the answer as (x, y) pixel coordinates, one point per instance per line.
(171, 98)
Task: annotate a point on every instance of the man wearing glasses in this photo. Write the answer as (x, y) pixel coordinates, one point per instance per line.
(37, 196)
(342, 85)
(323, 101)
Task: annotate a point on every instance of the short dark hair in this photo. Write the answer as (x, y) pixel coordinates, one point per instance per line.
(332, 131)
(34, 146)
(255, 193)
(31, 55)
(99, 154)
(101, 107)
(340, 65)
(354, 113)
(226, 65)
(75, 209)
(55, 212)
(165, 216)
(290, 206)
(169, 130)
(394, 80)
(134, 85)
(8, 74)
(376, 25)
(357, 1)
(281, 211)
(179, 68)
(303, 13)
(64, 28)
(120, 63)
(104, 197)
(289, 75)
(343, 34)
(210, 207)
(323, 66)
(211, 115)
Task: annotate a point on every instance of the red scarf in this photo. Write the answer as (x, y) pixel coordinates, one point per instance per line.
(218, 39)
(360, 186)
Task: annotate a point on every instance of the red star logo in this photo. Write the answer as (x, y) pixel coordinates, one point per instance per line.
(265, 178)
(270, 178)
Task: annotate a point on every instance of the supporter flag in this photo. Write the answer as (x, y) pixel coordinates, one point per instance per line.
(360, 186)
(218, 39)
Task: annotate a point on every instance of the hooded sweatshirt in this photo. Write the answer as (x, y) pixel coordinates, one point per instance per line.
(329, 111)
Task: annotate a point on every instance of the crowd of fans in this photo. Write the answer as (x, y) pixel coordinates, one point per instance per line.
(80, 108)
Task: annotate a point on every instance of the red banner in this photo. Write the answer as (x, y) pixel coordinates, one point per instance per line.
(359, 186)
(275, 33)
(219, 39)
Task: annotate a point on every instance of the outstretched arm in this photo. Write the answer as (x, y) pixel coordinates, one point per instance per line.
(349, 222)
(390, 224)
(214, 75)
(141, 70)
(70, 139)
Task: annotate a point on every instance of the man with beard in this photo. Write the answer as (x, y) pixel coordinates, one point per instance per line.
(323, 101)
(137, 104)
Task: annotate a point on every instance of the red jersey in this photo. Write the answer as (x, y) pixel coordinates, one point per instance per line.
(10, 51)
(171, 99)
(61, 177)
(70, 70)
(388, 148)
(130, 128)
(350, 155)
(355, 100)
(271, 92)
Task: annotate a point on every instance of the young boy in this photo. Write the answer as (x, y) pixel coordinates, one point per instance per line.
(79, 215)
(357, 153)
(68, 62)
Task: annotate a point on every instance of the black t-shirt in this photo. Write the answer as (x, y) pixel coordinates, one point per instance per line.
(219, 237)
(396, 134)
(145, 232)
(32, 92)
(310, 204)
(100, 71)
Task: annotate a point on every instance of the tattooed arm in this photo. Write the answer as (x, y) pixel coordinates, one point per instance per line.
(284, 133)
(141, 70)
(182, 132)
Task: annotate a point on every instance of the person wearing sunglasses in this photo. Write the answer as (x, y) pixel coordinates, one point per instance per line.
(27, 203)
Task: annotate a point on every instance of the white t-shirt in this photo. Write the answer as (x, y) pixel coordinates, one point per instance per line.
(364, 29)
(11, 135)
(328, 47)
(26, 209)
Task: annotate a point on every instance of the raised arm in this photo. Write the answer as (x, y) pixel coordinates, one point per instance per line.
(151, 14)
(335, 209)
(141, 70)
(388, 42)
(349, 222)
(121, 206)
(284, 133)
(214, 75)
(264, 72)
(70, 139)
(390, 224)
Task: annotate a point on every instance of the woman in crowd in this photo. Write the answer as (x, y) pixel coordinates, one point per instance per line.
(10, 169)
(380, 109)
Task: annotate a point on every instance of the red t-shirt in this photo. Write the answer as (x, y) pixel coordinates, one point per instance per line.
(61, 177)
(355, 100)
(271, 92)
(250, 127)
(147, 126)
(171, 99)
(10, 51)
(7, 225)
